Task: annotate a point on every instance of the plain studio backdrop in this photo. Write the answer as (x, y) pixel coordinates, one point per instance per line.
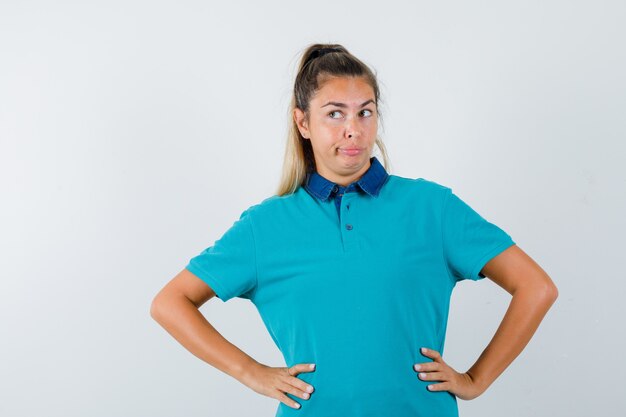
(134, 133)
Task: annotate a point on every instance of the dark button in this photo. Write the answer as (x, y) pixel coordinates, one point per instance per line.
(335, 188)
(349, 226)
(348, 206)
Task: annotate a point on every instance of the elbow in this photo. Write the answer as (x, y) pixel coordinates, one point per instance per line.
(548, 292)
(165, 304)
(553, 292)
(541, 291)
(155, 308)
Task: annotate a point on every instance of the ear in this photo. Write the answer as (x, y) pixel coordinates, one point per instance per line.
(303, 126)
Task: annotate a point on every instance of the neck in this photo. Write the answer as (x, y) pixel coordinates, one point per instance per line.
(344, 181)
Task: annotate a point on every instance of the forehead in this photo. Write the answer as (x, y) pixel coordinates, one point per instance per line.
(348, 90)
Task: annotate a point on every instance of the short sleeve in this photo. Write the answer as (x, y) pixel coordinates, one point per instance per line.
(229, 266)
(469, 241)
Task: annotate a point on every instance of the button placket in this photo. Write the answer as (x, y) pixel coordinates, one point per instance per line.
(348, 231)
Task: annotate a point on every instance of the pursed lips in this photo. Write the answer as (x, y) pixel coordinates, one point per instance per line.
(350, 151)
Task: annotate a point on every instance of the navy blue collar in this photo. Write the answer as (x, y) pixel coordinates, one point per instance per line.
(371, 182)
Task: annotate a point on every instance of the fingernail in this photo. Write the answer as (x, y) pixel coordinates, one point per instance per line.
(309, 388)
(312, 366)
(424, 350)
(305, 395)
(430, 387)
(296, 405)
(422, 375)
(418, 367)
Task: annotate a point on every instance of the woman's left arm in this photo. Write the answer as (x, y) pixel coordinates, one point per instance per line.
(533, 294)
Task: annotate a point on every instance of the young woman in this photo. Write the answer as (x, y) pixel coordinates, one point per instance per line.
(352, 268)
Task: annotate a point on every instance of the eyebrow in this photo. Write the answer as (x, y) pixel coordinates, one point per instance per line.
(334, 103)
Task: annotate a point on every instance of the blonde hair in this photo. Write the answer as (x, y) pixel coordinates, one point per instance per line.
(318, 63)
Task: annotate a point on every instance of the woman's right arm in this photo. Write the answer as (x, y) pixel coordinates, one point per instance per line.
(175, 308)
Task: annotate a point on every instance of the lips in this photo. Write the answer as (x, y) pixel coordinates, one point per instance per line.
(350, 151)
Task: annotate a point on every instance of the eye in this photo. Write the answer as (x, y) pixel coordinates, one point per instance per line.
(333, 112)
(366, 112)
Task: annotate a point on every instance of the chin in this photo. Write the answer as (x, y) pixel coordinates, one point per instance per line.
(353, 162)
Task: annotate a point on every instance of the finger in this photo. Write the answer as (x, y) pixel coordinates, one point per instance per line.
(431, 354)
(427, 366)
(296, 382)
(432, 376)
(301, 385)
(300, 368)
(286, 400)
(290, 389)
(444, 386)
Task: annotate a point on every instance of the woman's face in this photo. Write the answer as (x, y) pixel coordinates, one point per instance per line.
(342, 128)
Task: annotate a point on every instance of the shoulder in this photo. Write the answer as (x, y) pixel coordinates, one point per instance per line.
(420, 185)
(273, 205)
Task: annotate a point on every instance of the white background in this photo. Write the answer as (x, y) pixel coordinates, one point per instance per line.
(134, 133)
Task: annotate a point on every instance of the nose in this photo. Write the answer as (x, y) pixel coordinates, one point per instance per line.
(352, 129)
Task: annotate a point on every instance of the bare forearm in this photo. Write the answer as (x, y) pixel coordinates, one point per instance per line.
(182, 319)
(526, 310)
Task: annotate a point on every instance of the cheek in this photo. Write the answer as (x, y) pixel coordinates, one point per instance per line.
(370, 126)
(326, 138)
(328, 132)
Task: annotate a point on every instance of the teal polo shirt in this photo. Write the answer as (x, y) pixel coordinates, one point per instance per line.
(357, 291)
